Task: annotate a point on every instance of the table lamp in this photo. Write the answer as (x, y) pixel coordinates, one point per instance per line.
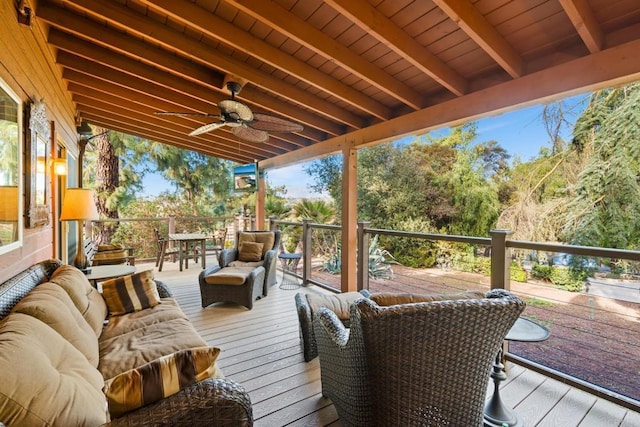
(9, 209)
(79, 206)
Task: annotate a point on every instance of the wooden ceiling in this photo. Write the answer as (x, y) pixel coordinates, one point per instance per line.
(352, 72)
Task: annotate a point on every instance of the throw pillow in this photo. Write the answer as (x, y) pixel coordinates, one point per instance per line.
(250, 251)
(130, 293)
(159, 379)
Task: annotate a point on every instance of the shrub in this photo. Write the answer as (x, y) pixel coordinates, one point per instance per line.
(569, 279)
(542, 272)
(517, 273)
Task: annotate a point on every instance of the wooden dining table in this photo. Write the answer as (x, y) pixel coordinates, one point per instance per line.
(186, 240)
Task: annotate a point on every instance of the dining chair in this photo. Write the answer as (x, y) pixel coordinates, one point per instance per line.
(219, 239)
(163, 249)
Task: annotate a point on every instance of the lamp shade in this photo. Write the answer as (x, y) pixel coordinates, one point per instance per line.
(9, 208)
(78, 204)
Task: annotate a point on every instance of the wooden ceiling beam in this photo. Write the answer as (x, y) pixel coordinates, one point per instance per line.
(484, 34)
(146, 29)
(283, 21)
(198, 18)
(138, 89)
(374, 22)
(585, 22)
(81, 33)
(611, 67)
(101, 42)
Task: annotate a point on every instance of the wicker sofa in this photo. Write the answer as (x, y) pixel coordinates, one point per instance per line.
(59, 345)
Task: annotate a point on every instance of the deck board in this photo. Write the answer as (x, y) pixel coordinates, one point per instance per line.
(260, 349)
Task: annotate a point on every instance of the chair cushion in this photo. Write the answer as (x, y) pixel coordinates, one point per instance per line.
(266, 238)
(86, 298)
(229, 276)
(338, 303)
(159, 378)
(252, 264)
(250, 251)
(385, 299)
(131, 293)
(50, 304)
(46, 381)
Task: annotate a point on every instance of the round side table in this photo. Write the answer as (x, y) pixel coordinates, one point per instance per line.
(289, 264)
(496, 414)
(100, 273)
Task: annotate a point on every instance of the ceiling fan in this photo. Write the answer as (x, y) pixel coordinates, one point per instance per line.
(244, 124)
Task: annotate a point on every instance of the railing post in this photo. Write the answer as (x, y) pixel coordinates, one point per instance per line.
(272, 225)
(172, 224)
(363, 256)
(500, 260)
(306, 251)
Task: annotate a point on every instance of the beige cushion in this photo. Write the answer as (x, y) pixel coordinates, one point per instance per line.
(386, 299)
(45, 380)
(229, 276)
(168, 309)
(338, 303)
(50, 304)
(250, 251)
(85, 297)
(266, 238)
(252, 264)
(136, 347)
(159, 378)
(130, 293)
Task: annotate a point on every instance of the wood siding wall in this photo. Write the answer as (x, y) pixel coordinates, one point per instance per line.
(28, 67)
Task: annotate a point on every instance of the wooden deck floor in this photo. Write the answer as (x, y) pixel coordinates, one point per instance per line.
(260, 350)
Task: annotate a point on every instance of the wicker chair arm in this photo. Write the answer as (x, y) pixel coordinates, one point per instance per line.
(211, 402)
(163, 290)
(365, 293)
(257, 275)
(331, 325)
(227, 256)
(270, 259)
(206, 272)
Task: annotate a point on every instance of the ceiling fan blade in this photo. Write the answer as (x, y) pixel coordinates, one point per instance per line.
(178, 113)
(250, 134)
(235, 110)
(206, 128)
(273, 124)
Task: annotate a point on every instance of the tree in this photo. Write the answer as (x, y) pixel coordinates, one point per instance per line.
(195, 175)
(113, 169)
(605, 207)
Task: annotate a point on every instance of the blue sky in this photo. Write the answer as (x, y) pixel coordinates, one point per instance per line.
(521, 133)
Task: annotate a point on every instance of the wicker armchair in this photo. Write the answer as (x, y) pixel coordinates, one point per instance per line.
(229, 257)
(425, 364)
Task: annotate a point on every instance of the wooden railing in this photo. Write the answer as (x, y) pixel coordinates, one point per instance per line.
(137, 233)
(595, 338)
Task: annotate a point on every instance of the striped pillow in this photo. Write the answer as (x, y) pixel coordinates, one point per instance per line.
(130, 293)
(159, 378)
